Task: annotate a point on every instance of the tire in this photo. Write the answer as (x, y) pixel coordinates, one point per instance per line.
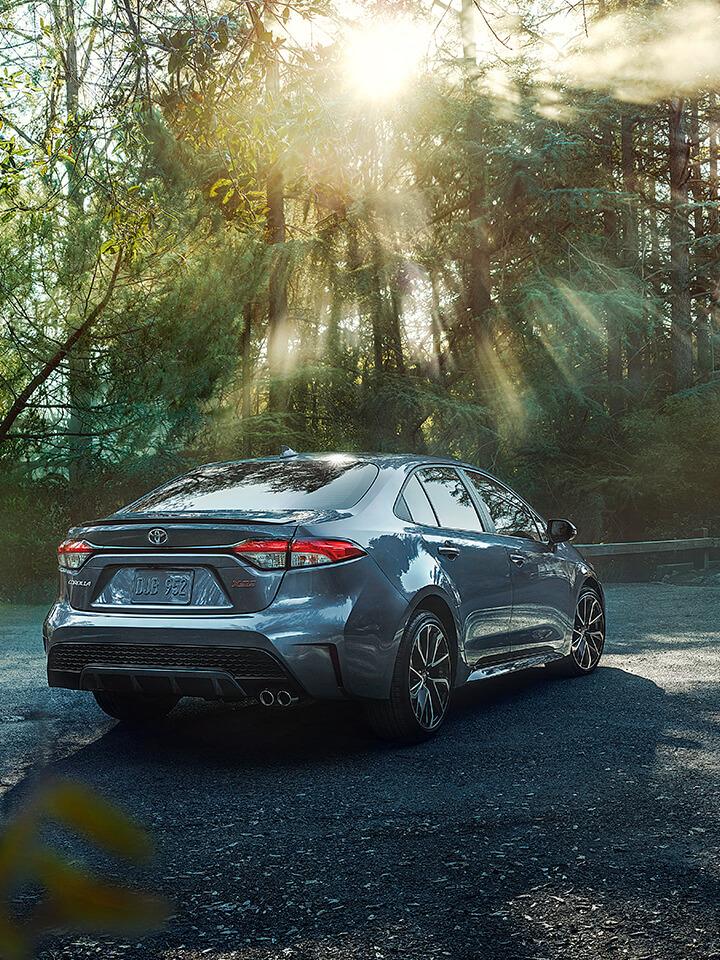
(586, 646)
(419, 696)
(134, 708)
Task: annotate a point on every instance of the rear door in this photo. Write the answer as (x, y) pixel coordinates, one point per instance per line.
(474, 563)
(541, 580)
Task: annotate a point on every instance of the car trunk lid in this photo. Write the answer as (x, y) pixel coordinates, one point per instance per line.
(181, 565)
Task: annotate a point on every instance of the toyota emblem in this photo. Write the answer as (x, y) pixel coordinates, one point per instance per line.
(157, 536)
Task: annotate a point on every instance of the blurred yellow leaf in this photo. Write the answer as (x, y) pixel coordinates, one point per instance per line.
(83, 901)
(13, 946)
(14, 844)
(98, 820)
(73, 897)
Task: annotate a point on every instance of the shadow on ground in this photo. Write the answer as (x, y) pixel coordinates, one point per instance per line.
(548, 819)
(538, 821)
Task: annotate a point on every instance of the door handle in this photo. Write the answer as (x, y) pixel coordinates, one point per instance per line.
(448, 550)
(517, 559)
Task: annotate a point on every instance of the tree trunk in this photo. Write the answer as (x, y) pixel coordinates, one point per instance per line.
(78, 364)
(72, 99)
(478, 293)
(437, 326)
(377, 318)
(630, 257)
(614, 366)
(703, 322)
(681, 342)
(479, 298)
(366, 286)
(658, 359)
(335, 311)
(467, 35)
(395, 307)
(277, 329)
(246, 372)
(714, 221)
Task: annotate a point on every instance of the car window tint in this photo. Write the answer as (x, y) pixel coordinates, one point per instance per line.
(320, 483)
(450, 498)
(418, 503)
(510, 516)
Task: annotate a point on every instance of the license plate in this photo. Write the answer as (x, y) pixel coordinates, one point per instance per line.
(162, 586)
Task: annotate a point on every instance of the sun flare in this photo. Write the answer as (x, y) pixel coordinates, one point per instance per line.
(381, 58)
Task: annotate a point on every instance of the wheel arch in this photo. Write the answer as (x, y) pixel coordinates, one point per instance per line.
(592, 581)
(440, 605)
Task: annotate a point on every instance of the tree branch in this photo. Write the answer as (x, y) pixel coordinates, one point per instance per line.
(54, 362)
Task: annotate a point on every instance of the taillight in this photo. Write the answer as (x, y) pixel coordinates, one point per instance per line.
(280, 554)
(266, 554)
(72, 554)
(311, 553)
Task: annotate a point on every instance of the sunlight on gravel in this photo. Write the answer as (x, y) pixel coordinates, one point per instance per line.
(37, 725)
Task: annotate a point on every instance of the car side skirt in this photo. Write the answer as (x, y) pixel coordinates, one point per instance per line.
(513, 666)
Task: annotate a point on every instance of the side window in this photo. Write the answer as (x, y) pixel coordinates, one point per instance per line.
(401, 509)
(510, 516)
(417, 503)
(450, 498)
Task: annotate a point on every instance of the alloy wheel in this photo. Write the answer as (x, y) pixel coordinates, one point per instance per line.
(429, 672)
(588, 637)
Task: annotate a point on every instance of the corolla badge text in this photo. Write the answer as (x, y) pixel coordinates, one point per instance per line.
(79, 583)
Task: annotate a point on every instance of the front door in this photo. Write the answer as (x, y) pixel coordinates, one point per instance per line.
(541, 579)
(541, 596)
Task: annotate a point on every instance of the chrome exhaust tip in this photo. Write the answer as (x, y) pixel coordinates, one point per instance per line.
(284, 698)
(267, 698)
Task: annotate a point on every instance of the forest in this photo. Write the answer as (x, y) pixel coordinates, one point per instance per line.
(446, 226)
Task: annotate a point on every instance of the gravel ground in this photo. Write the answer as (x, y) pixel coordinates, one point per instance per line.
(550, 818)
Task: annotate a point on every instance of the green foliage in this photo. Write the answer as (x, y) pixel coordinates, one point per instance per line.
(447, 271)
(672, 464)
(35, 513)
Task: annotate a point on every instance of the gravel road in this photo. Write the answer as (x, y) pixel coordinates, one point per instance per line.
(549, 819)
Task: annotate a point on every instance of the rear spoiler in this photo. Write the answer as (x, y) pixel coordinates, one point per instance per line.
(239, 517)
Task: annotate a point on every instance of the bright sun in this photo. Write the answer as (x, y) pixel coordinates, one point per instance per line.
(381, 58)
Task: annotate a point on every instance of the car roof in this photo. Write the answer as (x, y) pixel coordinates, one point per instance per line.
(379, 459)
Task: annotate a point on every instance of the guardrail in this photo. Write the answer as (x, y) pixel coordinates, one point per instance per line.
(646, 550)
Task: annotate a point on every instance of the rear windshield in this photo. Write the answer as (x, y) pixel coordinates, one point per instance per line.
(324, 483)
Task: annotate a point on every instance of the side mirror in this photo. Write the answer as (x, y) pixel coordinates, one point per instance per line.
(561, 531)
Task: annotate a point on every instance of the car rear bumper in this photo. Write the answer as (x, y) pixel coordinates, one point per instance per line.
(188, 669)
(305, 642)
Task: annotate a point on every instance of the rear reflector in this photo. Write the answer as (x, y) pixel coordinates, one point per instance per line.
(280, 554)
(72, 554)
